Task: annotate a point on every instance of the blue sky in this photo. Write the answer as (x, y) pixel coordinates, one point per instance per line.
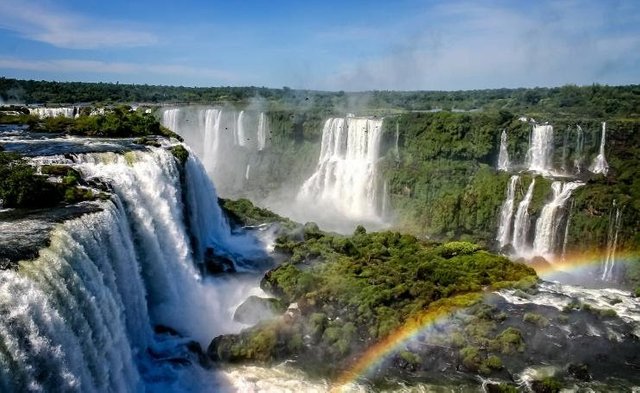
(328, 45)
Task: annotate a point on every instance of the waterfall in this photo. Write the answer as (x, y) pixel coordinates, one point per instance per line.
(262, 132)
(80, 317)
(226, 141)
(522, 222)
(345, 178)
(577, 161)
(540, 149)
(385, 199)
(246, 172)
(506, 213)
(566, 231)
(396, 147)
(615, 222)
(241, 139)
(550, 219)
(599, 164)
(503, 157)
(55, 112)
(170, 118)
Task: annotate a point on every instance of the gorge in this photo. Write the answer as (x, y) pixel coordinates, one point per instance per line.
(135, 289)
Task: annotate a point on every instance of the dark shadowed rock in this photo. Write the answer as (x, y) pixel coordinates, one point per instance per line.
(217, 264)
(256, 309)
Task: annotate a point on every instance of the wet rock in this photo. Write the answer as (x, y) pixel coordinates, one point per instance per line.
(579, 371)
(217, 264)
(256, 309)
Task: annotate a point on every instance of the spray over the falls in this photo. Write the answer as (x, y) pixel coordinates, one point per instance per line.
(345, 179)
(226, 141)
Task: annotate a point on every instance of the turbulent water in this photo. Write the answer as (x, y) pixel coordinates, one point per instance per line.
(345, 179)
(87, 305)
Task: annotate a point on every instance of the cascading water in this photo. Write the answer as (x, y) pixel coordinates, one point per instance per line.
(540, 149)
(612, 243)
(599, 165)
(345, 178)
(503, 156)
(227, 142)
(522, 222)
(506, 213)
(577, 161)
(55, 112)
(84, 317)
(262, 132)
(548, 224)
(566, 231)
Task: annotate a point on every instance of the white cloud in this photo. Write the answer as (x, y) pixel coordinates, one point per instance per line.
(65, 29)
(75, 66)
(466, 45)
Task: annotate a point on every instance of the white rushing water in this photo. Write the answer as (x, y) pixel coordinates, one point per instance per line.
(226, 141)
(540, 150)
(599, 164)
(550, 220)
(503, 156)
(577, 160)
(345, 179)
(522, 222)
(84, 315)
(506, 213)
(615, 221)
(43, 112)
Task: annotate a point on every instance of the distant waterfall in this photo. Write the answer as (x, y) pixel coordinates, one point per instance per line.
(615, 222)
(566, 231)
(503, 157)
(522, 222)
(345, 178)
(506, 213)
(396, 142)
(226, 141)
(577, 161)
(540, 149)
(80, 317)
(262, 132)
(240, 139)
(548, 224)
(55, 112)
(599, 164)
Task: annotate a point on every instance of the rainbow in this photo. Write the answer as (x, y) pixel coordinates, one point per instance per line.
(577, 262)
(440, 311)
(415, 326)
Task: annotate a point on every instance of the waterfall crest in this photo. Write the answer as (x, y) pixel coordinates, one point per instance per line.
(345, 178)
(503, 156)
